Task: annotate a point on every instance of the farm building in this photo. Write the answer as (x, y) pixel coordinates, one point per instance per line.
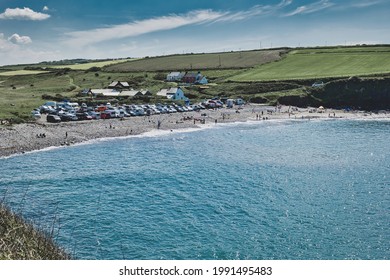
(104, 92)
(175, 76)
(194, 78)
(189, 78)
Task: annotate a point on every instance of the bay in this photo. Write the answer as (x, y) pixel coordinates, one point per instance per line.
(259, 190)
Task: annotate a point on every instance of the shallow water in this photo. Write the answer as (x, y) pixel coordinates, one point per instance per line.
(260, 190)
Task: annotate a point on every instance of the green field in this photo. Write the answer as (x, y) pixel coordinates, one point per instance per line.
(86, 66)
(70, 64)
(228, 60)
(322, 63)
(21, 72)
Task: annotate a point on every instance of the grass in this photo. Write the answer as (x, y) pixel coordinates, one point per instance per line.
(86, 66)
(322, 63)
(19, 240)
(21, 72)
(229, 60)
(20, 94)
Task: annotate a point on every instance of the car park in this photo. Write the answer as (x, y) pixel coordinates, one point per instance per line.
(66, 111)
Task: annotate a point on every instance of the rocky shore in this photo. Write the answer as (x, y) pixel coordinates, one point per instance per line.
(22, 138)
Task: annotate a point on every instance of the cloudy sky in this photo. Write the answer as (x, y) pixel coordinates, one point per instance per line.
(41, 30)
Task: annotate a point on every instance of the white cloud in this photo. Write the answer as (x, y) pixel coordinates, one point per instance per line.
(311, 8)
(23, 14)
(364, 4)
(140, 27)
(11, 53)
(256, 10)
(17, 39)
(132, 29)
(45, 8)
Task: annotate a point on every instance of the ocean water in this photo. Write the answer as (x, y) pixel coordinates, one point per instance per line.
(261, 190)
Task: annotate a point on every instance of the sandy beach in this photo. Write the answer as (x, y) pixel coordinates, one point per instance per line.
(22, 138)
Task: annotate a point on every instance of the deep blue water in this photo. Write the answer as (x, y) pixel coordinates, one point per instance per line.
(265, 190)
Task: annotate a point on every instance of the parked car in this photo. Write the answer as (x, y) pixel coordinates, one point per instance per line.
(83, 116)
(35, 114)
(65, 117)
(139, 112)
(113, 112)
(123, 113)
(105, 115)
(53, 119)
(94, 115)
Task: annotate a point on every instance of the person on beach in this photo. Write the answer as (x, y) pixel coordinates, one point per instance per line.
(66, 134)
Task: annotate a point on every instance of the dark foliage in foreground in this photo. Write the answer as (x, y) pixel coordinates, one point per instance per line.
(20, 240)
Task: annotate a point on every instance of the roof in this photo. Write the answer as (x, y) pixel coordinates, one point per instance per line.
(174, 74)
(162, 92)
(105, 92)
(146, 92)
(169, 91)
(119, 83)
(193, 75)
(172, 90)
(130, 93)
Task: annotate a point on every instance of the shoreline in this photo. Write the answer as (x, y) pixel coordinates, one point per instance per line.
(22, 138)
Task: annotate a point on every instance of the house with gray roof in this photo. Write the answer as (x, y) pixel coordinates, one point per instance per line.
(172, 93)
(175, 76)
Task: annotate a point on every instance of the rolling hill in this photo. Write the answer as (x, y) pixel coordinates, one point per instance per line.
(322, 63)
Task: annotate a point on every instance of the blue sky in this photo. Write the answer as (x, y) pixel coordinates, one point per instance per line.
(39, 30)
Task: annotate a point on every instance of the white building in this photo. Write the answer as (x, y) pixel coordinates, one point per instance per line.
(172, 93)
(104, 92)
(175, 76)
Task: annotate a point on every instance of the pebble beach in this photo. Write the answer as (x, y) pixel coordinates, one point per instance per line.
(26, 137)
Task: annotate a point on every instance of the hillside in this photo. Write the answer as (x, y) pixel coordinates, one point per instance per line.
(322, 63)
(227, 60)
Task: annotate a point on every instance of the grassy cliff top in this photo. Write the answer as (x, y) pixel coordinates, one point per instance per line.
(19, 240)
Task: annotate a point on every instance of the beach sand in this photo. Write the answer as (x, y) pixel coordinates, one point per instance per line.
(22, 138)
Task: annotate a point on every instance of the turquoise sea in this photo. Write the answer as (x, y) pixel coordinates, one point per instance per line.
(316, 189)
